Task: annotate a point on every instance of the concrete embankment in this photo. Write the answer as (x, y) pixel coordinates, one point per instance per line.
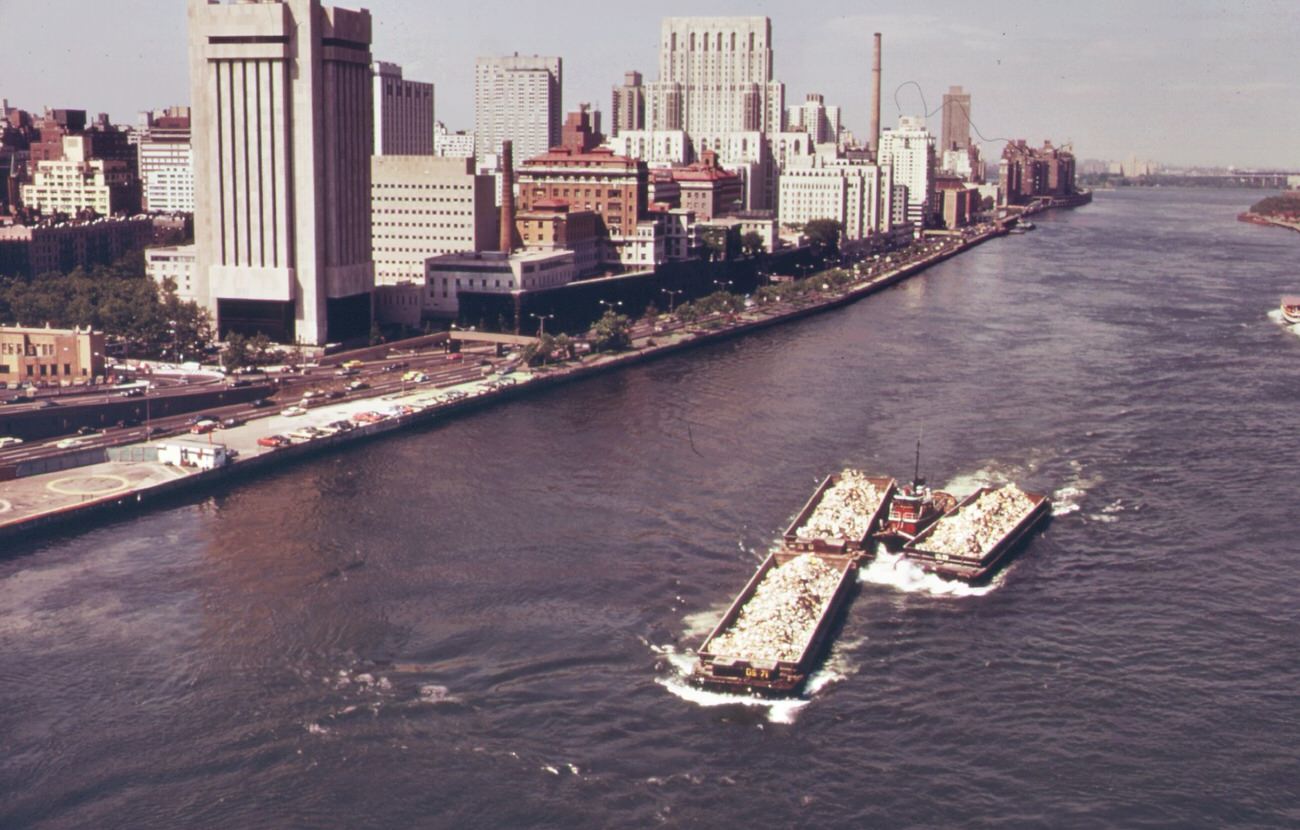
(108, 489)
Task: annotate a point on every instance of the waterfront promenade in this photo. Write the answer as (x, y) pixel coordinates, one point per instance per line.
(72, 496)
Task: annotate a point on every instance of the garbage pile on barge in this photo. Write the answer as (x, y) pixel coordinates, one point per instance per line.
(780, 617)
(975, 528)
(846, 510)
(971, 540)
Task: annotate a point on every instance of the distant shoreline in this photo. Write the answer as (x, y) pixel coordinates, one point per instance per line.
(1268, 221)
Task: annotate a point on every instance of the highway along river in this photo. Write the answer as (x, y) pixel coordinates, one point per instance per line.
(485, 624)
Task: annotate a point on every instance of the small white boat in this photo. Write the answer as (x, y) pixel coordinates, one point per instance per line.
(1291, 309)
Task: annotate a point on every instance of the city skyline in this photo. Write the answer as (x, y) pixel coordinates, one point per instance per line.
(1123, 82)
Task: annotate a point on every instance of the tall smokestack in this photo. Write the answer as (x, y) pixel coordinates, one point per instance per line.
(875, 97)
(507, 243)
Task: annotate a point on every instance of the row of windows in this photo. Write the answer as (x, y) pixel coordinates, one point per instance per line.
(50, 370)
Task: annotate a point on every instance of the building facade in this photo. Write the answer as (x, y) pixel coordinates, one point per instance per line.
(855, 193)
(282, 101)
(591, 178)
(910, 151)
(166, 164)
(492, 272)
(1027, 173)
(627, 105)
(715, 78)
(403, 113)
(654, 147)
(820, 122)
(517, 98)
(77, 182)
(707, 190)
(30, 250)
(174, 263)
(50, 357)
(423, 206)
(447, 144)
(956, 120)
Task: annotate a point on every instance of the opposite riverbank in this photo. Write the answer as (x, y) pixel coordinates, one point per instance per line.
(136, 478)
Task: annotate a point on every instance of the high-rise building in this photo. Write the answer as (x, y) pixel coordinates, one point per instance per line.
(628, 105)
(459, 144)
(715, 78)
(822, 123)
(519, 99)
(282, 101)
(956, 119)
(425, 206)
(857, 194)
(76, 182)
(403, 113)
(166, 163)
(910, 151)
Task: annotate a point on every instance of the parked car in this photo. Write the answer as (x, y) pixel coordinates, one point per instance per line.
(9, 441)
(358, 385)
(340, 426)
(69, 443)
(230, 423)
(335, 393)
(273, 441)
(292, 411)
(204, 427)
(157, 431)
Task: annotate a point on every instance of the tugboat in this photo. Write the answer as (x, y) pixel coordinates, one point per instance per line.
(1291, 309)
(913, 508)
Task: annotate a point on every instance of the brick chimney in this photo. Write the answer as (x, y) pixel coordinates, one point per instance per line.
(507, 239)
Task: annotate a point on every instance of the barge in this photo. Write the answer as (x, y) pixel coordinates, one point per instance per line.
(973, 539)
(843, 515)
(774, 633)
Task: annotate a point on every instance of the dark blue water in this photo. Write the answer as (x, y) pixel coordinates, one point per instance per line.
(485, 624)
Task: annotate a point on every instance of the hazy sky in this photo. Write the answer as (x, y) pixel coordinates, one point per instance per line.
(1193, 82)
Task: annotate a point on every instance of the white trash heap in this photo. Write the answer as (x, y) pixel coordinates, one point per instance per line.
(845, 510)
(780, 617)
(979, 525)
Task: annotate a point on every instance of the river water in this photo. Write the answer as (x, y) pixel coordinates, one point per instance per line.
(486, 624)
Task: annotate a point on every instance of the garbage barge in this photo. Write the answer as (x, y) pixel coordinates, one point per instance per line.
(772, 635)
(775, 631)
(973, 539)
(843, 515)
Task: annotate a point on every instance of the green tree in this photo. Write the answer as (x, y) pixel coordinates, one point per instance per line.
(612, 333)
(722, 242)
(752, 244)
(376, 334)
(823, 235)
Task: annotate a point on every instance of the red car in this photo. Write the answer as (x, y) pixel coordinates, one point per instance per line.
(273, 441)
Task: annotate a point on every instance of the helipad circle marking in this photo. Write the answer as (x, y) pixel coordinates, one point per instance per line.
(92, 485)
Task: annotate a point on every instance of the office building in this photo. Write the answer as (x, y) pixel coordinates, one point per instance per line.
(715, 78)
(77, 183)
(423, 206)
(820, 122)
(166, 163)
(956, 119)
(282, 100)
(447, 144)
(403, 113)
(856, 193)
(909, 149)
(517, 98)
(628, 105)
(174, 264)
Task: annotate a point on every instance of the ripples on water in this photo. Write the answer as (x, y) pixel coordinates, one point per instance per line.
(484, 624)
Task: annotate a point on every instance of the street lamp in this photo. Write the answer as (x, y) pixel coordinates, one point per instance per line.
(541, 323)
(722, 284)
(610, 306)
(671, 296)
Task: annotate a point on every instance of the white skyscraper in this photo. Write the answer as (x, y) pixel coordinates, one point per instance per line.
(715, 78)
(403, 113)
(281, 96)
(520, 99)
(910, 151)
